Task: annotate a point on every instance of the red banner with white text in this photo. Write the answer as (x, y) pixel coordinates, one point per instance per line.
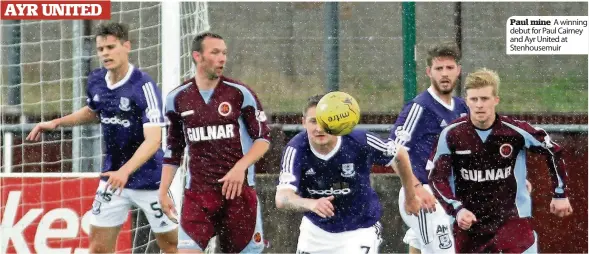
(49, 214)
(55, 9)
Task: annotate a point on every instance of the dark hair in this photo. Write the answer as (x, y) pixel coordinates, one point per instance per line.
(118, 30)
(197, 41)
(312, 102)
(443, 50)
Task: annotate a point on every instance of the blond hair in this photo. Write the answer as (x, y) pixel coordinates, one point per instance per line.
(482, 78)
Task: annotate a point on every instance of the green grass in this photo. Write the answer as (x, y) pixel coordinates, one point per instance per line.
(558, 95)
(280, 94)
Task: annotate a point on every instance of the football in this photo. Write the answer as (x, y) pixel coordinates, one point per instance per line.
(337, 113)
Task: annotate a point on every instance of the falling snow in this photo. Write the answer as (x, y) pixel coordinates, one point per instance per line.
(286, 52)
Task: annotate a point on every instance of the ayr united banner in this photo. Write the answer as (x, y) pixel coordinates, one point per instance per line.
(55, 10)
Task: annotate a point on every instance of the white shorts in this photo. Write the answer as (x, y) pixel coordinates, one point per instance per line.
(112, 210)
(360, 241)
(429, 232)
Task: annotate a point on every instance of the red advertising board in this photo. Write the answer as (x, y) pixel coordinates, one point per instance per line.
(49, 213)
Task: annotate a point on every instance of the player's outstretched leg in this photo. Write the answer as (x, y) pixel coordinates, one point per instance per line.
(109, 212)
(103, 239)
(168, 241)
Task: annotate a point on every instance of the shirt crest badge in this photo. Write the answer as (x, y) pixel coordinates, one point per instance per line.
(224, 108)
(505, 150)
(125, 104)
(348, 170)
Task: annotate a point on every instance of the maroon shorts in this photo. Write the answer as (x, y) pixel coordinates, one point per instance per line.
(205, 213)
(514, 236)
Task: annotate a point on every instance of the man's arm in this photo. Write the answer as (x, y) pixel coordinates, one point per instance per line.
(440, 166)
(258, 149)
(258, 130)
(402, 167)
(405, 131)
(289, 181)
(168, 173)
(287, 199)
(173, 157)
(173, 154)
(233, 180)
(175, 140)
(440, 177)
(148, 99)
(153, 136)
(254, 117)
(396, 156)
(151, 144)
(538, 141)
(166, 202)
(175, 145)
(84, 115)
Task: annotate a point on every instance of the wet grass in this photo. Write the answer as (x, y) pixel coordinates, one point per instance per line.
(281, 95)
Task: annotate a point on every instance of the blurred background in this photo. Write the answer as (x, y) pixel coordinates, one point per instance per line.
(289, 51)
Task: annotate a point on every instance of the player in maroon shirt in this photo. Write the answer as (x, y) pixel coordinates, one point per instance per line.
(223, 125)
(478, 173)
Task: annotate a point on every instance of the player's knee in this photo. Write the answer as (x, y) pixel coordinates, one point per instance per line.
(103, 240)
(168, 242)
(168, 246)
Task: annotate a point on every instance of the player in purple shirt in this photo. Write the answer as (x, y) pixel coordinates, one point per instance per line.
(420, 122)
(328, 178)
(224, 128)
(478, 173)
(127, 102)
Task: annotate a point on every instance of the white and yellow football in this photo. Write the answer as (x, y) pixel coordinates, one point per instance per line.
(337, 113)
